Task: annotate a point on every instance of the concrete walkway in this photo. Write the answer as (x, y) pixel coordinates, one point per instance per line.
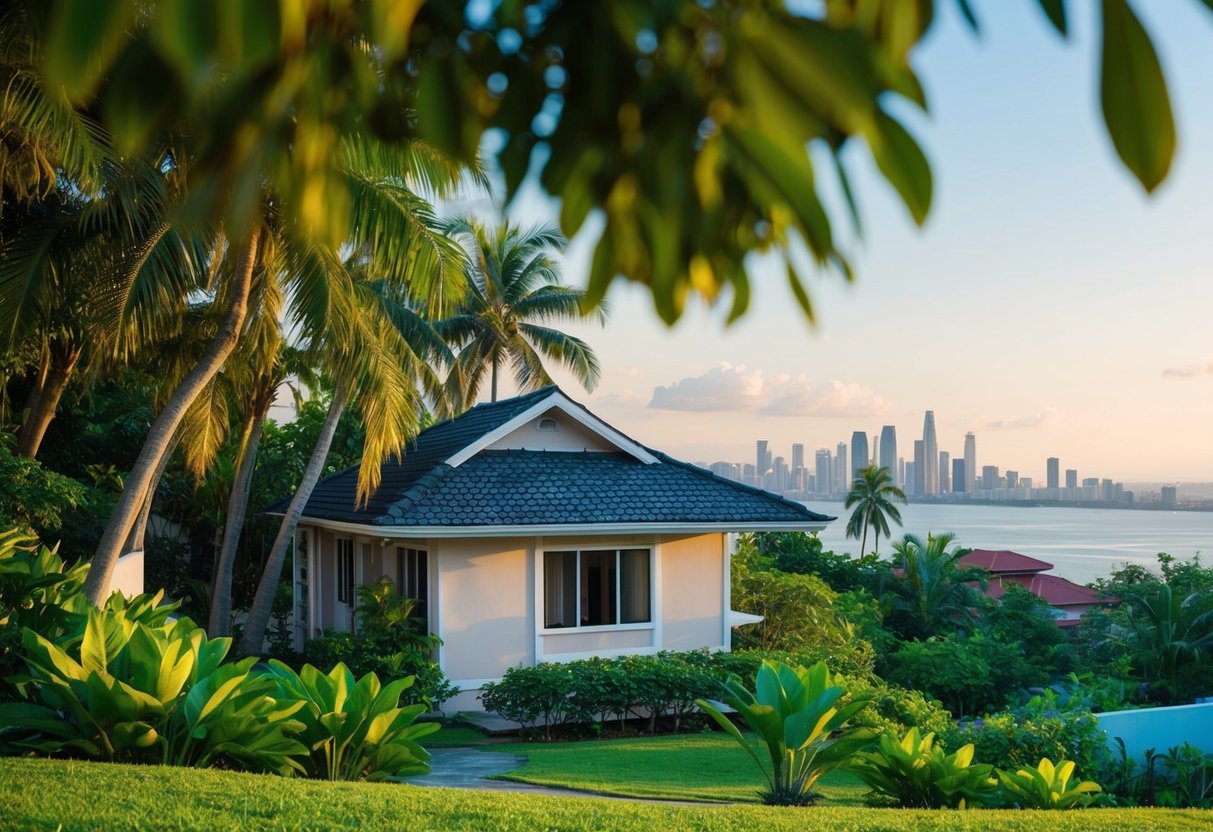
(470, 768)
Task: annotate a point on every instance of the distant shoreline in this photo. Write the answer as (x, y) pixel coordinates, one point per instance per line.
(1027, 504)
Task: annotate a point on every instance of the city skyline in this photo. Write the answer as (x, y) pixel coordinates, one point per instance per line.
(1033, 348)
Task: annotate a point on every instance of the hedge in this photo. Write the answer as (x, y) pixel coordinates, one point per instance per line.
(71, 795)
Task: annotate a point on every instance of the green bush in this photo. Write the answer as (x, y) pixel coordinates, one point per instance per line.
(1182, 777)
(797, 714)
(354, 730)
(916, 773)
(1015, 740)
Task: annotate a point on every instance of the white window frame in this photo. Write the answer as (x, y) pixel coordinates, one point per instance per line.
(541, 584)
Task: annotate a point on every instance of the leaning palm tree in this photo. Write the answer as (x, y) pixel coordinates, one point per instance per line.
(930, 589)
(872, 496)
(513, 289)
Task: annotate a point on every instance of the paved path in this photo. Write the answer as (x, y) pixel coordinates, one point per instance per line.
(470, 768)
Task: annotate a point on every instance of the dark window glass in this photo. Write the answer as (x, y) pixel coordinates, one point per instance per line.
(634, 591)
(559, 589)
(598, 585)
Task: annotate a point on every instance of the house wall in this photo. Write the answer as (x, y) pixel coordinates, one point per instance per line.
(692, 592)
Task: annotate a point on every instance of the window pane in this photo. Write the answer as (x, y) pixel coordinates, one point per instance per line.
(559, 589)
(598, 588)
(634, 586)
(412, 578)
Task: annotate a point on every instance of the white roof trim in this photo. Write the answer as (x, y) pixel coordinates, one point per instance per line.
(559, 401)
(737, 618)
(556, 530)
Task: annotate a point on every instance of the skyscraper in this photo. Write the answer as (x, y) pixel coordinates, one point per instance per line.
(920, 468)
(797, 455)
(989, 477)
(763, 461)
(930, 450)
(859, 454)
(901, 471)
(958, 475)
(1053, 468)
(841, 471)
(945, 483)
(1071, 478)
(970, 461)
(909, 486)
(1012, 478)
(823, 471)
(888, 450)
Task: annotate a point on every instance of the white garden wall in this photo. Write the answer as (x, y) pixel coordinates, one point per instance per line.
(1160, 728)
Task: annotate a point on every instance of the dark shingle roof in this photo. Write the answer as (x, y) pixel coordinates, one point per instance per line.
(523, 488)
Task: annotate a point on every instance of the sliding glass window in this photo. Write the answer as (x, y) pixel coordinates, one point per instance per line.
(597, 588)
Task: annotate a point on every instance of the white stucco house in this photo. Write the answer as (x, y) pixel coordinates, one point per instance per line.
(533, 531)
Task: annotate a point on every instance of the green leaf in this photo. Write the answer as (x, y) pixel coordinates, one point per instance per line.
(903, 164)
(1133, 93)
(84, 39)
(1055, 10)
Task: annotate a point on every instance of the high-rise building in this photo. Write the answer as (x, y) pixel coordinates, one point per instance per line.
(945, 481)
(901, 471)
(910, 477)
(763, 459)
(970, 462)
(930, 449)
(782, 475)
(823, 471)
(888, 451)
(1169, 495)
(1071, 478)
(797, 455)
(1053, 471)
(958, 475)
(859, 454)
(920, 467)
(989, 477)
(842, 482)
(1012, 478)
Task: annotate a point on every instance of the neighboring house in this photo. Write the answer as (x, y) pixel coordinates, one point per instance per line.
(1068, 599)
(533, 531)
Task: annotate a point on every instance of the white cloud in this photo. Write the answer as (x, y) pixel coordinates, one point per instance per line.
(1205, 368)
(730, 388)
(1048, 416)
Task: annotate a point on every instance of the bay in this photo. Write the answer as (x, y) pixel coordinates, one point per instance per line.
(1081, 543)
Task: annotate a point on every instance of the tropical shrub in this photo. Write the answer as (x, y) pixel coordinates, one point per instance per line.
(1047, 786)
(916, 773)
(1180, 778)
(968, 674)
(796, 714)
(1019, 739)
(363, 655)
(129, 691)
(534, 697)
(353, 730)
(34, 498)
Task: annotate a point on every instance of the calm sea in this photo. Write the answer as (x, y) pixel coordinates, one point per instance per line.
(1081, 543)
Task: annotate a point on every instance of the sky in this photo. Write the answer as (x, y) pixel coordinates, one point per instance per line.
(1048, 305)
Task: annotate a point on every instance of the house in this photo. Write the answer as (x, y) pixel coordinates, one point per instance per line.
(1068, 599)
(533, 531)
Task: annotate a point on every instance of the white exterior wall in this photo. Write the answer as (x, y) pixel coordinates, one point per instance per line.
(1160, 728)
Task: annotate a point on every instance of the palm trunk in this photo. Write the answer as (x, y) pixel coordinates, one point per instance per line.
(134, 541)
(253, 640)
(165, 426)
(494, 377)
(220, 623)
(876, 541)
(44, 398)
(863, 543)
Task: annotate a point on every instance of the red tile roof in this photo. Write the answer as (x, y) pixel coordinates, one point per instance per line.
(1058, 592)
(1004, 562)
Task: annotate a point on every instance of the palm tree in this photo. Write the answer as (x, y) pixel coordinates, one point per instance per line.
(1165, 630)
(872, 495)
(513, 287)
(929, 588)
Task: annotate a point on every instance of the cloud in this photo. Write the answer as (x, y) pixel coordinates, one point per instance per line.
(1048, 416)
(730, 388)
(1205, 368)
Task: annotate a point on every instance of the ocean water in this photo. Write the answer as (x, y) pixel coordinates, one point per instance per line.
(1081, 543)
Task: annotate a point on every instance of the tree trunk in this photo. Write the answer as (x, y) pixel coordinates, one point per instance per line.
(876, 548)
(864, 541)
(220, 623)
(134, 541)
(165, 426)
(253, 640)
(44, 398)
(494, 377)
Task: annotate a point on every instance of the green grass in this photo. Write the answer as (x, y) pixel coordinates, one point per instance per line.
(454, 736)
(680, 767)
(68, 795)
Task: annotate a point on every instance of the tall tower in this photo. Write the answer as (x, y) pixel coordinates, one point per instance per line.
(945, 484)
(959, 480)
(888, 450)
(859, 454)
(797, 455)
(822, 478)
(841, 470)
(763, 459)
(1053, 477)
(920, 468)
(970, 461)
(930, 451)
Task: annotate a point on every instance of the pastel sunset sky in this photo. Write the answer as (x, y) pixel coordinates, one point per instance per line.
(1048, 305)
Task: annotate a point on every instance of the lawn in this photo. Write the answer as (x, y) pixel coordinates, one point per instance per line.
(454, 737)
(69, 795)
(679, 767)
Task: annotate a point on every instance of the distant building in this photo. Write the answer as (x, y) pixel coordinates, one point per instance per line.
(920, 468)
(911, 477)
(859, 454)
(901, 471)
(1169, 495)
(1068, 600)
(1053, 468)
(1012, 479)
(1071, 478)
(763, 459)
(842, 483)
(970, 462)
(888, 451)
(930, 449)
(945, 478)
(989, 477)
(958, 475)
(797, 455)
(783, 478)
(822, 478)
